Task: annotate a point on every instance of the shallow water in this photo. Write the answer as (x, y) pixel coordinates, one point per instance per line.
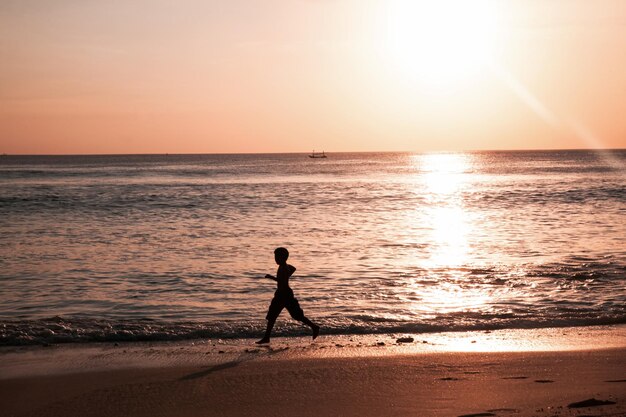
(168, 247)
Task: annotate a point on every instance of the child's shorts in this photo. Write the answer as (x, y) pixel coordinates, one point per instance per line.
(284, 299)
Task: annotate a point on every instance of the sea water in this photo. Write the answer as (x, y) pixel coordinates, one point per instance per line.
(163, 247)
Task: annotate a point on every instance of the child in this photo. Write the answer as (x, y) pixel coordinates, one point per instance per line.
(283, 297)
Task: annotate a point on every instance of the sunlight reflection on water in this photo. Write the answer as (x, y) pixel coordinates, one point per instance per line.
(449, 224)
(444, 175)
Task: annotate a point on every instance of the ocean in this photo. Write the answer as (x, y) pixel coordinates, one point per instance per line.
(170, 247)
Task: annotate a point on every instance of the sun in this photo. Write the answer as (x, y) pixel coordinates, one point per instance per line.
(439, 43)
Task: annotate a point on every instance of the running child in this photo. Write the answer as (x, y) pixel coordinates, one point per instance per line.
(283, 297)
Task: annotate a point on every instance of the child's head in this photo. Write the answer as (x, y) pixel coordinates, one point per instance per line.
(281, 255)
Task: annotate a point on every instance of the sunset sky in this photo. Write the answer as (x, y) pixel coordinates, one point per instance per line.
(157, 76)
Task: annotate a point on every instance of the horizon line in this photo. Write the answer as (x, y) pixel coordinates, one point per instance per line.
(306, 153)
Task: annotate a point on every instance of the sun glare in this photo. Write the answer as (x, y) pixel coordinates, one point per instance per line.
(439, 43)
(443, 173)
(444, 176)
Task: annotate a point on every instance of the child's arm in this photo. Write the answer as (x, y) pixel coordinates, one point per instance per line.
(270, 277)
(285, 271)
(289, 270)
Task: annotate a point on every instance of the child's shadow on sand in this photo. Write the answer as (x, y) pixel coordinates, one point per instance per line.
(242, 358)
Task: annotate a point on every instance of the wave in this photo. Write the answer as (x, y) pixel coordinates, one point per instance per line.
(57, 330)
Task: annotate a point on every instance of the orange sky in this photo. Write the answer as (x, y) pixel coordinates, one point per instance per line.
(156, 76)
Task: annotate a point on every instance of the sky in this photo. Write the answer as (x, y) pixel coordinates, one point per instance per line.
(164, 76)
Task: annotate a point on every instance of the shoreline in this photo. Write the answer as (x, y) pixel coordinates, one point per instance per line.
(28, 360)
(501, 373)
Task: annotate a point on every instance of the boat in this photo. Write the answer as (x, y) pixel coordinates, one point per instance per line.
(317, 155)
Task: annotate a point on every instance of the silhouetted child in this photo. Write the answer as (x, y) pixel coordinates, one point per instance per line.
(283, 297)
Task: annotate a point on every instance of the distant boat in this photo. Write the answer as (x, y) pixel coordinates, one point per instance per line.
(317, 155)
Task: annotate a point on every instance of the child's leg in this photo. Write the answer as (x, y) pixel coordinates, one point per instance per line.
(313, 326)
(297, 314)
(276, 307)
(268, 331)
(307, 322)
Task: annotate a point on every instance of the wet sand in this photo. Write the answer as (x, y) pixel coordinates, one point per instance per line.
(338, 376)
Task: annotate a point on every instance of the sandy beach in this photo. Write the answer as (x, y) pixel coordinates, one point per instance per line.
(500, 373)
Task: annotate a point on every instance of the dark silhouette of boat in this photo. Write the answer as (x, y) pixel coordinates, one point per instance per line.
(317, 155)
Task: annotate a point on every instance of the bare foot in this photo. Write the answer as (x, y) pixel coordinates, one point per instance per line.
(316, 331)
(263, 341)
